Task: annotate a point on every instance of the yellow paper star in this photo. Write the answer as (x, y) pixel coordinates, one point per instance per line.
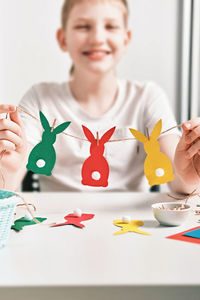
(129, 227)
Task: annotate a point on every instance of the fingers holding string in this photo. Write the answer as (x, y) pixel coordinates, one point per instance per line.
(6, 108)
(7, 137)
(10, 131)
(6, 124)
(193, 149)
(191, 132)
(191, 129)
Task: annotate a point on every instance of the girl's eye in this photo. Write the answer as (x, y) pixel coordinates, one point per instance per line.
(112, 27)
(82, 27)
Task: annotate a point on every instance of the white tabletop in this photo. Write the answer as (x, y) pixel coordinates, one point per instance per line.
(66, 256)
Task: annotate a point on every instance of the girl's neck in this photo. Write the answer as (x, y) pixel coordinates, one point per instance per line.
(95, 94)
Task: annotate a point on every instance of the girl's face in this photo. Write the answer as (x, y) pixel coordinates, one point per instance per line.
(95, 35)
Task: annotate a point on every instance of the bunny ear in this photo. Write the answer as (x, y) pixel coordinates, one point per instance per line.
(138, 135)
(44, 121)
(105, 138)
(88, 134)
(156, 130)
(60, 128)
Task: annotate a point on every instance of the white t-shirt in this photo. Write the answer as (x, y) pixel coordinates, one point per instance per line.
(138, 105)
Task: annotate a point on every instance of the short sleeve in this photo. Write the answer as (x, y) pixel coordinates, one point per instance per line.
(157, 107)
(29, 113)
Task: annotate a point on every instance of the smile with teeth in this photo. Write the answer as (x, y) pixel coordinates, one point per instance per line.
(96, 52)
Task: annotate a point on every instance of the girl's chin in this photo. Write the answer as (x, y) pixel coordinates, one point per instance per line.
(98, 70)
(98, 73)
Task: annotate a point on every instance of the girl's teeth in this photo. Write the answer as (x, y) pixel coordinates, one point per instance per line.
(97, 53)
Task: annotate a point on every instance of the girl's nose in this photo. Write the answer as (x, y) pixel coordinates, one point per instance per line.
(97, 35)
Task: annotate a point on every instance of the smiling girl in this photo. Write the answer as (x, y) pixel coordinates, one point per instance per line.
(95, 35)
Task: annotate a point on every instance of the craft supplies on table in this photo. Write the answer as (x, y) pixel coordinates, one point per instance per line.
(8, 202)
(171, 213)
(191, 235)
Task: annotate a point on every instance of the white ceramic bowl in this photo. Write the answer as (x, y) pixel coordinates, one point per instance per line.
(169, 217)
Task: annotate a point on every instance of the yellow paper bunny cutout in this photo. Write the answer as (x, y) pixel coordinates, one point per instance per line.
(132, 226)
(157, 166)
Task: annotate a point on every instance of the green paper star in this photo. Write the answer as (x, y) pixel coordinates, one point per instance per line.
(20, 223)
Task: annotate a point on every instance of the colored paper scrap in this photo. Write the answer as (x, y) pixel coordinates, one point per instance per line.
(129, 227)
(194, 233)
(20, 223)
(71, 219)
(157, 166)
(43, 156)
(181, 237)
(95, 169)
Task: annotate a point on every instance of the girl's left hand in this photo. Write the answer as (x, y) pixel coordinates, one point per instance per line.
(187, 155)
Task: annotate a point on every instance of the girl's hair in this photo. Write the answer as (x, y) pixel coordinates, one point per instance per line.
(68, 5)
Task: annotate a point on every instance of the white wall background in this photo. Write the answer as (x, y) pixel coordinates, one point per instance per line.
(29, 51)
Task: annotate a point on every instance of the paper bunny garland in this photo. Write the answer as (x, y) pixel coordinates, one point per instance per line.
(43, 156)
(95, 170)
(157, 166)
(96, 162)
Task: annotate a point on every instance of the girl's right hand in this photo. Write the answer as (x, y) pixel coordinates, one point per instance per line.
(13, 144)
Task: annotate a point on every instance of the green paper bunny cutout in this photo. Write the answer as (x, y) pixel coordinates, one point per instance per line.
(43, 156)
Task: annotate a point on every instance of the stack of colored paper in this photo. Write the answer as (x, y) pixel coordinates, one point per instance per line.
(192, 235)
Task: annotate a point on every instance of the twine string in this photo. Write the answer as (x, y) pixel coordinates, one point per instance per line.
(82, 139)
(27, 207)
(23, 204)
(186, 198)
(177, 126)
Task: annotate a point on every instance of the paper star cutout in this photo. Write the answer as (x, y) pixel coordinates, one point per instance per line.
(71, 219)
(129, 227)
(20, 223)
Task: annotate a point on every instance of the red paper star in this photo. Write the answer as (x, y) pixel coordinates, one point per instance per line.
(71, 219)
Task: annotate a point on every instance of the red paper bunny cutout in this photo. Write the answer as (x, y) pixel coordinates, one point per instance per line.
(96, 162)
(71, 219)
